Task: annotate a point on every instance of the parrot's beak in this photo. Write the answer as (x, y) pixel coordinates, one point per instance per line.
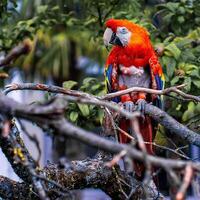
(109, 37)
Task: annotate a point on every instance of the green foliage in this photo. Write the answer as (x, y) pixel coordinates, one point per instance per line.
(69, 84)
(7, 7)
(179, 17)
(88, 116)
(181, 66)
(45, 19)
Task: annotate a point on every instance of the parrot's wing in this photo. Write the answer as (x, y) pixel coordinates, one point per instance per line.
(109, 81)
(160, 85)
(108, 78)
(158, 76)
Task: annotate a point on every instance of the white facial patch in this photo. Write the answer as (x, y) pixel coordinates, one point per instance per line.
(124, 35)
(107, 36)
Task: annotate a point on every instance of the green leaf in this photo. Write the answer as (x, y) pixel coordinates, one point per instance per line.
(42, 9)
(172, 6)
(174, 50)
(73, 116)
(171, 67)
(161, 138)
(84, 109)
(187, 81)
(174, 80)
(69, 84)
(181, 19)
(168, 17)
(195, 73)
(100, 116)
(189, 68)
(196, 82)
(95, 87)
(189, 112)
(178, 107)
(89, 80)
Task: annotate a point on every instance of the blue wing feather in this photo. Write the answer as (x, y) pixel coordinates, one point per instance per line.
(160, 86)
(108, 77)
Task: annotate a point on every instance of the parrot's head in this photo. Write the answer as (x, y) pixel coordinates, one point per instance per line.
(123, 33)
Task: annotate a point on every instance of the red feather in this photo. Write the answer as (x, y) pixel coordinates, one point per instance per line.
(139, 53)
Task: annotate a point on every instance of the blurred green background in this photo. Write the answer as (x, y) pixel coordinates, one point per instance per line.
(67, 44)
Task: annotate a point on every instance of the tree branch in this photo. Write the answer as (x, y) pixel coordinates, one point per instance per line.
(67, 129)
(157, 114)
(12, 190)
(51, 115)
(39, 113)
(17, 51)
(81, 174)
(11, 143)
(20, 159)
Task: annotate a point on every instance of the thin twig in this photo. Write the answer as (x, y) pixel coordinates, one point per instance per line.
(186, 182)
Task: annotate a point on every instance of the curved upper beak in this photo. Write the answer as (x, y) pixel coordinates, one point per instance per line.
(107, 36)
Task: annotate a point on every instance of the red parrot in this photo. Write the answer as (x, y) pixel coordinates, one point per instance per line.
(132, 62)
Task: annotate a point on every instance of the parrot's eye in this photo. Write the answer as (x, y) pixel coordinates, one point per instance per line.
(124, 30)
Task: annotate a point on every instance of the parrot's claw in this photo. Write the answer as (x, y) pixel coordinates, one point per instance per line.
(141, 106)
(129, 106)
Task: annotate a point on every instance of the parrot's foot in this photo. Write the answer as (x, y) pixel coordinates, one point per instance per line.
(141, 106)
(129, 106)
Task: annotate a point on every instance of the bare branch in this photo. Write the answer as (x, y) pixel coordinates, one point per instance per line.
(36, 114)
(56, 89)
(51, 115)
(186, 182)
(20, 159)
(17, 51)
(166, 91)
(160, 116)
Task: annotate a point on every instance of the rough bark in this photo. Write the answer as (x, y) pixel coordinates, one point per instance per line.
(79, 175)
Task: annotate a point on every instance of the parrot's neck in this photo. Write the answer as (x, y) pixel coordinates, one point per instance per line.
(135, 55)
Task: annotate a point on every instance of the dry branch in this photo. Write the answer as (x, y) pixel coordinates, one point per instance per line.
(8, 146)
(81, 174)
(20, 159)
(157, 114)
(17, 51)
(56, 89)
(51, 115)
(54, 112)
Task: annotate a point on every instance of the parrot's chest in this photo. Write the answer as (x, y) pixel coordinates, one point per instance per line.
(134, 77)
(136, 58)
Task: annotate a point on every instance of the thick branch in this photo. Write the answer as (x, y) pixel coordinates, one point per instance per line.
(80, 174)
(157, 114)
(50, 115)
(12, 190)
(19, 157)
(67, 129)
(171, 124)
(35, 113)
(8, 147)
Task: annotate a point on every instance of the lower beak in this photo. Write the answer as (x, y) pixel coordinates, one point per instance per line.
(115, 40)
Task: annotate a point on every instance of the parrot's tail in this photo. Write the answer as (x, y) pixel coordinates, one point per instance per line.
(147, 134)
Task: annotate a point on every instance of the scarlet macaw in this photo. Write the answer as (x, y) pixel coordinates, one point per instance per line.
(132, 62)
